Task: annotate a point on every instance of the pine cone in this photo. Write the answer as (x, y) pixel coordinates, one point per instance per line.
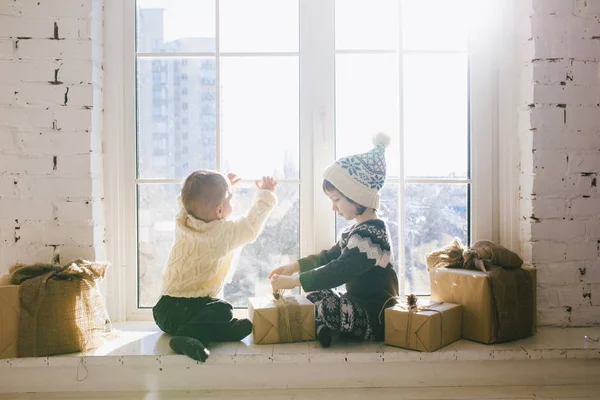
(411, 301)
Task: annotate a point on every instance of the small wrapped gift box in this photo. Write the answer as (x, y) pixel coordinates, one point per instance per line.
(498, 305)
(427, 328)
(288, 319)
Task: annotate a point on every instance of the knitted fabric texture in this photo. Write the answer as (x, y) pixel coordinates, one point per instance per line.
(362, 260)
(202, 253)
(360, 177)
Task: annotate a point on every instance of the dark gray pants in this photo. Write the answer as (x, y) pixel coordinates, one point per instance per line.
(204, 318)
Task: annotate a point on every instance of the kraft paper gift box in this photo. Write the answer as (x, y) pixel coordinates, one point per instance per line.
(289, 319)
(10, 312)
(498, 306)
(429, 328)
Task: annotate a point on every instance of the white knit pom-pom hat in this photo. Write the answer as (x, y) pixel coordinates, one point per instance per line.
(360, 177)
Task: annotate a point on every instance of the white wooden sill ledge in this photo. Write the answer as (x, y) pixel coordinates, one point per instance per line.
(140, 359)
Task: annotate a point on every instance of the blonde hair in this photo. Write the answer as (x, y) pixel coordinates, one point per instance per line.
(203, 191)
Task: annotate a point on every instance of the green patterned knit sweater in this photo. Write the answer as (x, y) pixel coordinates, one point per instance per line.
(361, 260)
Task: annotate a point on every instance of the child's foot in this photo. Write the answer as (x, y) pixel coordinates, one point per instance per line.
(240, 328)
(193, 348)
(326, 336)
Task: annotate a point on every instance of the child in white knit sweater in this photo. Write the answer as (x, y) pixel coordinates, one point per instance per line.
(205, 242)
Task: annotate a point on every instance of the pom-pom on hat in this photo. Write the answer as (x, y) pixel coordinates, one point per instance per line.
(360, 177)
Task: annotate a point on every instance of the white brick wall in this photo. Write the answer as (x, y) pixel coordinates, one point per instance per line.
(50, 131)
(559, 130)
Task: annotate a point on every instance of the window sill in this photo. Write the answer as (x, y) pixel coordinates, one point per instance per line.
(140, 359)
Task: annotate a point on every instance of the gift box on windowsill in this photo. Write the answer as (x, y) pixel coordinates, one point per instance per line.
(426, 328)
(47, 309)
(288, 319)
(498, 306)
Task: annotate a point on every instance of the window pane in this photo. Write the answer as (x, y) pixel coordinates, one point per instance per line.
(366, 24)
(435, 24)
(367, 102)
(258, 25)
(166, 26)
(157, 207)
(435, 213)
(389, 212)
(176, 116)
(436, 115)
(259, 128)
(277, 245)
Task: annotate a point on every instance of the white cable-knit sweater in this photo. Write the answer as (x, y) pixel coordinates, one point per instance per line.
(202, 252)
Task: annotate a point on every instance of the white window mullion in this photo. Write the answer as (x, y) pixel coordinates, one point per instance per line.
(129, 187)
(482, 93)
(401, 261)
(317, 103)
(116, 114)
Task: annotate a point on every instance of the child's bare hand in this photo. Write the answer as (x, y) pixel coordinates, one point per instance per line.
(289, 269)
(233, 178)
(267, 183)
(280, 282)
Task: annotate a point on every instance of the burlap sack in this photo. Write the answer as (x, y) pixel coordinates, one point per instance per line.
(62, 309)
(481, 255)
(514, 300)
(484, 254)
(450, 256)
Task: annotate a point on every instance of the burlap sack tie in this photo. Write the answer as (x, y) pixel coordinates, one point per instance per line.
(282, 304)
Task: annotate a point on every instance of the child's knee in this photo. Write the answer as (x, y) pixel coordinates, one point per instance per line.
(222, 310)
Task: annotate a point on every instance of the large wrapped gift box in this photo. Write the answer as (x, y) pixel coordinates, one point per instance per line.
(288, 319)
(498, 306)
(429, 328)
(10, 312)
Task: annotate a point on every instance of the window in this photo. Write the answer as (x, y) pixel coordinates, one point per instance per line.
(157, 111)
(408, 69)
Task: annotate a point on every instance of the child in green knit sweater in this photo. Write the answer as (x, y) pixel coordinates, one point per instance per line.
(361, 259)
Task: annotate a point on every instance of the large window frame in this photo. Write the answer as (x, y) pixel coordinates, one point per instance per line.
(317, 143)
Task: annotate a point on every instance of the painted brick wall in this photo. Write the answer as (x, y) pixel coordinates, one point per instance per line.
(559, 129)
(50, 131)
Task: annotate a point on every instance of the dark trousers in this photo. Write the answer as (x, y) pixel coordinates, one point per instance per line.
(203, 318)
